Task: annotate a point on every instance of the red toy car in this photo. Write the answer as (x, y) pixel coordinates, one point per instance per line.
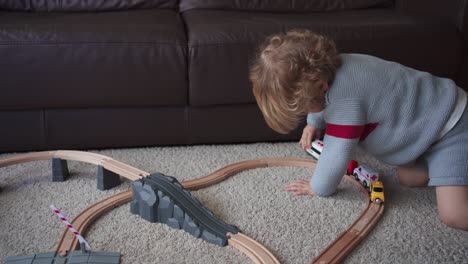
(352, 165)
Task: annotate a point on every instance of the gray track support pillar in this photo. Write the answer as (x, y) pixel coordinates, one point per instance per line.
(59, 170)
(83, 247)
(107, 179)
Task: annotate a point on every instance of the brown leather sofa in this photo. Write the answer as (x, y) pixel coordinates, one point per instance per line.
(100, 74)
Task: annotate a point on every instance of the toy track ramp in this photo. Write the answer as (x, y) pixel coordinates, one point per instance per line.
(160, 198)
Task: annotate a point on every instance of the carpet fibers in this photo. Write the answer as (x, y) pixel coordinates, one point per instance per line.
(294, 229)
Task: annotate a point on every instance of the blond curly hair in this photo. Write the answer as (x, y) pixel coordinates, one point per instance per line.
(288, 76)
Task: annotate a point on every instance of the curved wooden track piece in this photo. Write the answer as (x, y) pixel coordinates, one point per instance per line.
(334, 253)
(232, 169)
(347, 241)
(69, 242)
(254, 250)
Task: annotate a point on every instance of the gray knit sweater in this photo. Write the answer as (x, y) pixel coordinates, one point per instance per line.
(393, 112)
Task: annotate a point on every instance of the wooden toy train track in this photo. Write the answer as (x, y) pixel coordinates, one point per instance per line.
(333, 253)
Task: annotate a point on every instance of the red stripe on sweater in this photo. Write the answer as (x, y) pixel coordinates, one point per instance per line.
(368, 128)
(344, 131)
(350, 131)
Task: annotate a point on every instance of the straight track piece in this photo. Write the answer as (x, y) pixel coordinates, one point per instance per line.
(75, 257)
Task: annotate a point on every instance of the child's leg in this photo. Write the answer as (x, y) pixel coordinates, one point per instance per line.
(448, 172)
(413, 176)
(452, 203)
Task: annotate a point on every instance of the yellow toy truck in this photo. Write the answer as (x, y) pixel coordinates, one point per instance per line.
(377, 192)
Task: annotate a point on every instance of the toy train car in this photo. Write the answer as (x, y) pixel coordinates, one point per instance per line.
(366, 175)
(377, 192)
(369, 178)
(316, 149)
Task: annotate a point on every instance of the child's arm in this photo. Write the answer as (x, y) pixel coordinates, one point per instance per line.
(309, 133)
(313, 129)
(316, 120)
(345, 123)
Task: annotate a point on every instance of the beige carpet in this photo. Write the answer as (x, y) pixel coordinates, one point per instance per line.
(294, 229)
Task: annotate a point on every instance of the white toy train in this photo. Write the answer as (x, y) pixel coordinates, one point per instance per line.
(316, 149)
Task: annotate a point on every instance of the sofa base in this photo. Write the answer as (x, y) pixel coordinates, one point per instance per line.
(98, 128)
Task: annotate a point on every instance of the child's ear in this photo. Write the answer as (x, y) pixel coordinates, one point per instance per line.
(324, 87)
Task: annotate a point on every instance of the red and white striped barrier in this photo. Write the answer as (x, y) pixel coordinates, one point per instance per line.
(72, 229)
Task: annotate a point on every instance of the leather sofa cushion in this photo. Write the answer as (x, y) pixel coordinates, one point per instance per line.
(115, 127)
(222, 44)
(83, 5)
(125, 58)
(233, 124)
(282, 5)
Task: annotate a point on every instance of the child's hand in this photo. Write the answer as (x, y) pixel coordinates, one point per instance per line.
(308, 134)
(299, 187)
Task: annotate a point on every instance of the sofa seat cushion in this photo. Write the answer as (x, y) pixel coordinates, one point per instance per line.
(283, 6)
(100, 59)
(222, 44)
(83, 5)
